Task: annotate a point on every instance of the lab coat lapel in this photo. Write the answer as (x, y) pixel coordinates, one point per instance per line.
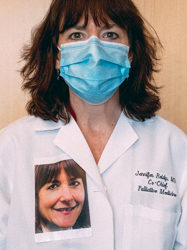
(71, 140)
(122, 138)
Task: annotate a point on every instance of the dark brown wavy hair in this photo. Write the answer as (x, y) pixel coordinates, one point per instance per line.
(138, 95)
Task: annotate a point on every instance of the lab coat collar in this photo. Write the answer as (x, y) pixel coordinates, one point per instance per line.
(42, 125)
(71, 140)
(122, 138)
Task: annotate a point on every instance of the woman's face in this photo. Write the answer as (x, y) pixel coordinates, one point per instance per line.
(61, 201)
(113, 33)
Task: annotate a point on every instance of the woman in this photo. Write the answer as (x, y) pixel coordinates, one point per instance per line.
(61, 197)
(89, 70)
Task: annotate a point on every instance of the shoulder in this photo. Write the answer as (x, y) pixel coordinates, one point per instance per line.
(166, 125)
(16, 132)
(13, 135)
(23, 139)
(163, 140)
(163, 134)
(169, 131)
(27, 126)
(18, 126)
(166, 134)
(23, 132)
(158, 127)
(38, 231)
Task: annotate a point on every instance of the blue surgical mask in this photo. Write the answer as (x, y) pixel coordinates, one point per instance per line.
(94, 69)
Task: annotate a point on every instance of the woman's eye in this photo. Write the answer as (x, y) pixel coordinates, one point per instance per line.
(53, 186)
(75, 183)
(76, 36)
(111, 35)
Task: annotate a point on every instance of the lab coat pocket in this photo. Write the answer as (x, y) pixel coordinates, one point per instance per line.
(147, 228)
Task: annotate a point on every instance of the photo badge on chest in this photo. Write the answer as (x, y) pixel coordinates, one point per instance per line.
(61, 202)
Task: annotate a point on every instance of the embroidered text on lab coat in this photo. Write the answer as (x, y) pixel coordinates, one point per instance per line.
(156, 183)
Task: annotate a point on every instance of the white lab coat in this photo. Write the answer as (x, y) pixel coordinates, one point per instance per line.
(137, 192)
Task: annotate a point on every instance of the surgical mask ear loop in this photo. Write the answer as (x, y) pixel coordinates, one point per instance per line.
(58, 70)
(58, 74)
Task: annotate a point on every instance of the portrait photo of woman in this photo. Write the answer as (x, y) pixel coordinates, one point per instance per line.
(61, 197)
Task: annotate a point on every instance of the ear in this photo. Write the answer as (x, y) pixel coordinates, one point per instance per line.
(58, 60)
(57, 66)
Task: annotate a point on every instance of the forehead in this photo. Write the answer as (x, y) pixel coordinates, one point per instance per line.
(84, 20)
(83, 23)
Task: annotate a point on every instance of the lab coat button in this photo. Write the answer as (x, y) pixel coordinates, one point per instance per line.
(105, 189)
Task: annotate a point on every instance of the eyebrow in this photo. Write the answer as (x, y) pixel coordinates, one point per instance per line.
(109, 26)
(54, 181)
(73, 178)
